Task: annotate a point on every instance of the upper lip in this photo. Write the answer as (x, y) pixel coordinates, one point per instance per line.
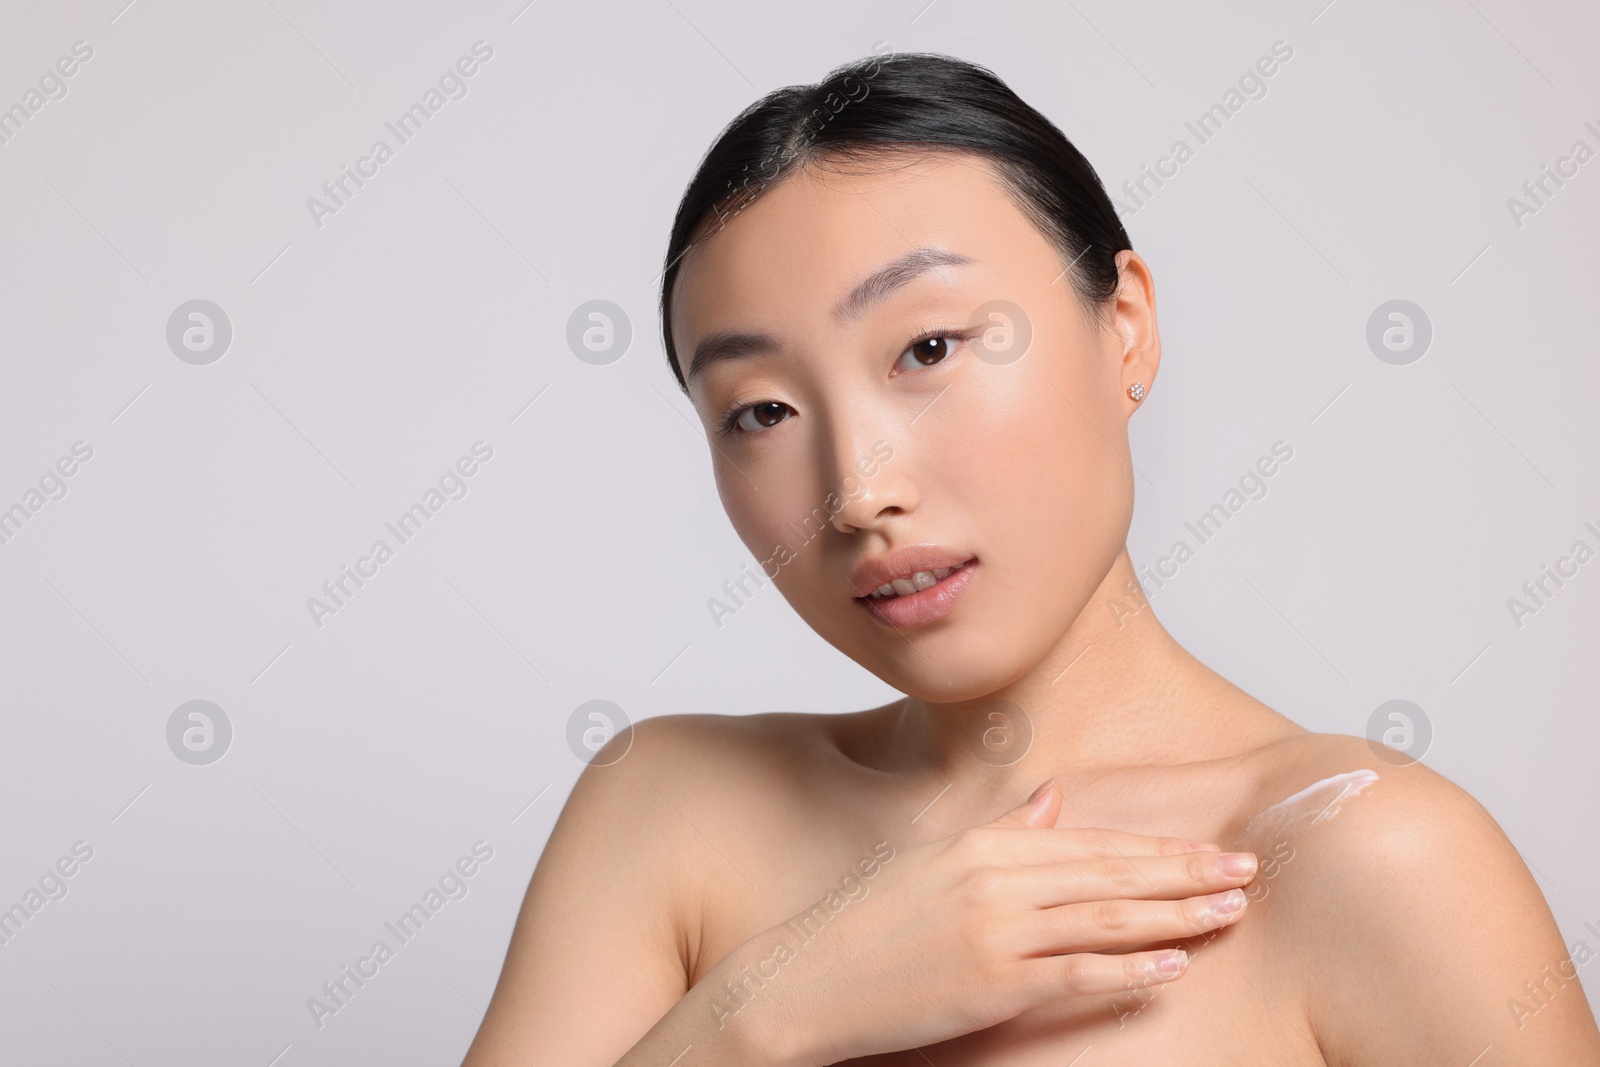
(876, 571)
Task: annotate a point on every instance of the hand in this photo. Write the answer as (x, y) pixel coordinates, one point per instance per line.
(962, 933)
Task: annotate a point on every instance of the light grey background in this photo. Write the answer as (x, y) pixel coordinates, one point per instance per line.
(431, 311)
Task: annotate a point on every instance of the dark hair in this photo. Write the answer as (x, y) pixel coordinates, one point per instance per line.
(913, 102)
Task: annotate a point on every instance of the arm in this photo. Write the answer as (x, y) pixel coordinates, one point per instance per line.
(1433, 942)
(952, 936)
(598, 955)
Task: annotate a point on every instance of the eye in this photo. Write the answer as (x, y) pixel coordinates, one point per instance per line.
(932, 347)
(751, 418)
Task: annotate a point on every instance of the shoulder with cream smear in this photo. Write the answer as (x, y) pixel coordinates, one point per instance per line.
(1410, 915)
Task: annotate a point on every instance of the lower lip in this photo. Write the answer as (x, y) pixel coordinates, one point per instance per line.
(925, 605)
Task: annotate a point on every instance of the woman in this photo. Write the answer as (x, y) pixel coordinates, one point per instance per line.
(905, 310)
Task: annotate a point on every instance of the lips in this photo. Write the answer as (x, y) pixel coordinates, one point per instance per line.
(871, 573)
(925, 605)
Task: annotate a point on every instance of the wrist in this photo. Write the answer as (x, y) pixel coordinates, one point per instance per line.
(750, 999)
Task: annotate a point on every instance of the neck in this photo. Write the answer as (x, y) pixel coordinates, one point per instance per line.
(1115, 692)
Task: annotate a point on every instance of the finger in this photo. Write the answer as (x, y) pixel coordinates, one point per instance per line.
(1132, 877)
(1055, 845)
(1106, 924)
(1087, 973)
(1041, 809)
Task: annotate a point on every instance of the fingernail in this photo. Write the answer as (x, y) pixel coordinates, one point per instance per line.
(1041, 791)
(1200, 846)
(1237, 863)
(1225, 904)
(1171, 964)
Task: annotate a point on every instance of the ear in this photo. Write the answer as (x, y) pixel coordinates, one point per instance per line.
(1133, 320)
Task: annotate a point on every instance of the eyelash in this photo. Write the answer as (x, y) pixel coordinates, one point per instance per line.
(727, 421)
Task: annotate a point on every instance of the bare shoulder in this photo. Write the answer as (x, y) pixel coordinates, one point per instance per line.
(618, 898)
(1309, 772)
(1352, 793)
(1370, 827)
(710, 753)
(649, 780)
(697, 791)
(689, 730)
(1417, 924)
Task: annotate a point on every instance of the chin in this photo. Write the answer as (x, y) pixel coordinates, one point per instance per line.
(956, 664)
(930, 688)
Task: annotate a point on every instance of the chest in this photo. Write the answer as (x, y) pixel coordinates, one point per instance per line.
(1218, 1015)
(1240, 1000)
(1230, 1007)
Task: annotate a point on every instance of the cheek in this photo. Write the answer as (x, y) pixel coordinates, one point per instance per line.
(1017, 444)
(786, 534)
(742, 503)
(763, 517)
(1050, 486)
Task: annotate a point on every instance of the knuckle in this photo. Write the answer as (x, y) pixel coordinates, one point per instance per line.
(1111, 916)
(1103, 846)
(985, 885)
(1132, 969)
(980, 935)
(975, 843)
(1074, 974)
(1090, 842)
(958, 846)
(981, 983)
(1199, 867)
(1122, 876)
(1196, 914)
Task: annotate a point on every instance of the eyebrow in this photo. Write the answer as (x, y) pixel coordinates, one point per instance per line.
(874, 288)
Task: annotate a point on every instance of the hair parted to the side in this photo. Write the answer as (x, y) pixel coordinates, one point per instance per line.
(905, 103)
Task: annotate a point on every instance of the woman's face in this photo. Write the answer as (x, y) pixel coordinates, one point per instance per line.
(853, 442)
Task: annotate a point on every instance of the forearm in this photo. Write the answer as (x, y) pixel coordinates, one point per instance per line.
(747, 1011)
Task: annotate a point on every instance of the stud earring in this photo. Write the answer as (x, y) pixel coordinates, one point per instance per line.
(1136, 390)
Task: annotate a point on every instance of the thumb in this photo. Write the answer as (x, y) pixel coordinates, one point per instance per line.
(1039, 810)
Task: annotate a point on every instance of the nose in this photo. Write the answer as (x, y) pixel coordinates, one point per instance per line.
(870, 482)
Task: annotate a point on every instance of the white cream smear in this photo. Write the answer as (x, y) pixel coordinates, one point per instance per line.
(1316, 803)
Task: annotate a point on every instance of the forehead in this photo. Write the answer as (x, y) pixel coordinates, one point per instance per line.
(785, 260)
